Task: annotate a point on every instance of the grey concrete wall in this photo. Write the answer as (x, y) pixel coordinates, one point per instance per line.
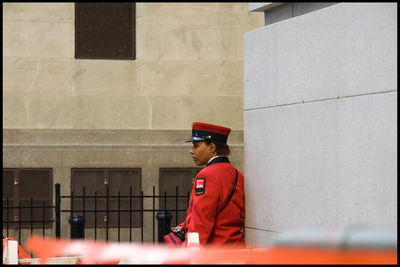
(320, 120)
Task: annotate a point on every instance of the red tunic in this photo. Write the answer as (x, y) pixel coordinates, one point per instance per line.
(211, 189)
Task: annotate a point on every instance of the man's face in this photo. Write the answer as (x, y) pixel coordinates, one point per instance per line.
(201, 152)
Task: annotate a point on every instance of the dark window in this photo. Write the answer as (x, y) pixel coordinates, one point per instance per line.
(170, 178)
(97, 181)
(105, 30)
(30, 189)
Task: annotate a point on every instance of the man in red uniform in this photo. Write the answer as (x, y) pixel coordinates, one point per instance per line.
(216, 208)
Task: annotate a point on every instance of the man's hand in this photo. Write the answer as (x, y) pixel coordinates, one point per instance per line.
(177, 229)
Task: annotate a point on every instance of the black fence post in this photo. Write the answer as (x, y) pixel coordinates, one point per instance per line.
(31, 215)
(77, 226)
(164, 224)
(176, 205)
(95, 215)
(106, 218)
(154, 208)
(58, 210)
(19, 221)
(141, 212)
(7, 209)
(44, 219)
(130, 214)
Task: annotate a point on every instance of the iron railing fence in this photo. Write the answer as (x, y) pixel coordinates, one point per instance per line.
(43, 223)
(18, 222)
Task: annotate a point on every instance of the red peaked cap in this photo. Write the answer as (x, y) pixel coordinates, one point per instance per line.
(205, 131)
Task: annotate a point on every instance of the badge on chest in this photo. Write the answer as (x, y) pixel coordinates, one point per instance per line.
(200, 186)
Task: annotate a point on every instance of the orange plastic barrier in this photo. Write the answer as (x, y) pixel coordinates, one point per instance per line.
(21, 252)
(92, 252)
(296, 255)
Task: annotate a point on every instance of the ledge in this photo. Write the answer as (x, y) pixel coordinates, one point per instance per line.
(263, 7)
(103, 138)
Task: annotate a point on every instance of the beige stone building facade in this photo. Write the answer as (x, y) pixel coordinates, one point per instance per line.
(62, 113)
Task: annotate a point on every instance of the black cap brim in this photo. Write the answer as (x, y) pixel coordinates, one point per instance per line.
(194, 139)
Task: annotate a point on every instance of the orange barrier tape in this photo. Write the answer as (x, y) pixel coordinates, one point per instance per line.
(296, 255)
(99, 252)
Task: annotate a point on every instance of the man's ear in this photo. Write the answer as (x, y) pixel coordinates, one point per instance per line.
(212, 147)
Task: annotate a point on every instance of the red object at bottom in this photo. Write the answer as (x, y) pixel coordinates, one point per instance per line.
(172, 240)
(21, 253)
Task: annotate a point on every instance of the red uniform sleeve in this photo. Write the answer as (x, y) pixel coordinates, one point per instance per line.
(204, 206)
(188, 212)
(188, 216)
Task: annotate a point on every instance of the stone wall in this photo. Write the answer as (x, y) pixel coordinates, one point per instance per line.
(189, 67)
(320, 120)
(63, 113)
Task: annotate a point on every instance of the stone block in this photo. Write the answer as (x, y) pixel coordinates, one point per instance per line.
(53, 76)
(20, 74)
(38, 39)
(232, 77)
(260, 68)
(341, 50)
(220, 110)
(181, 42)
(196, 42)
(39, 12)
(126, 112)
(367, 161)
(46, 110)
(105, 76)
(166, 112)
(15, 110)
(175, 77)
(86, 111)
(16, 157)
(335, 157)
(259, 237)
(229, 42)
(290, 166)
(178, 13)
